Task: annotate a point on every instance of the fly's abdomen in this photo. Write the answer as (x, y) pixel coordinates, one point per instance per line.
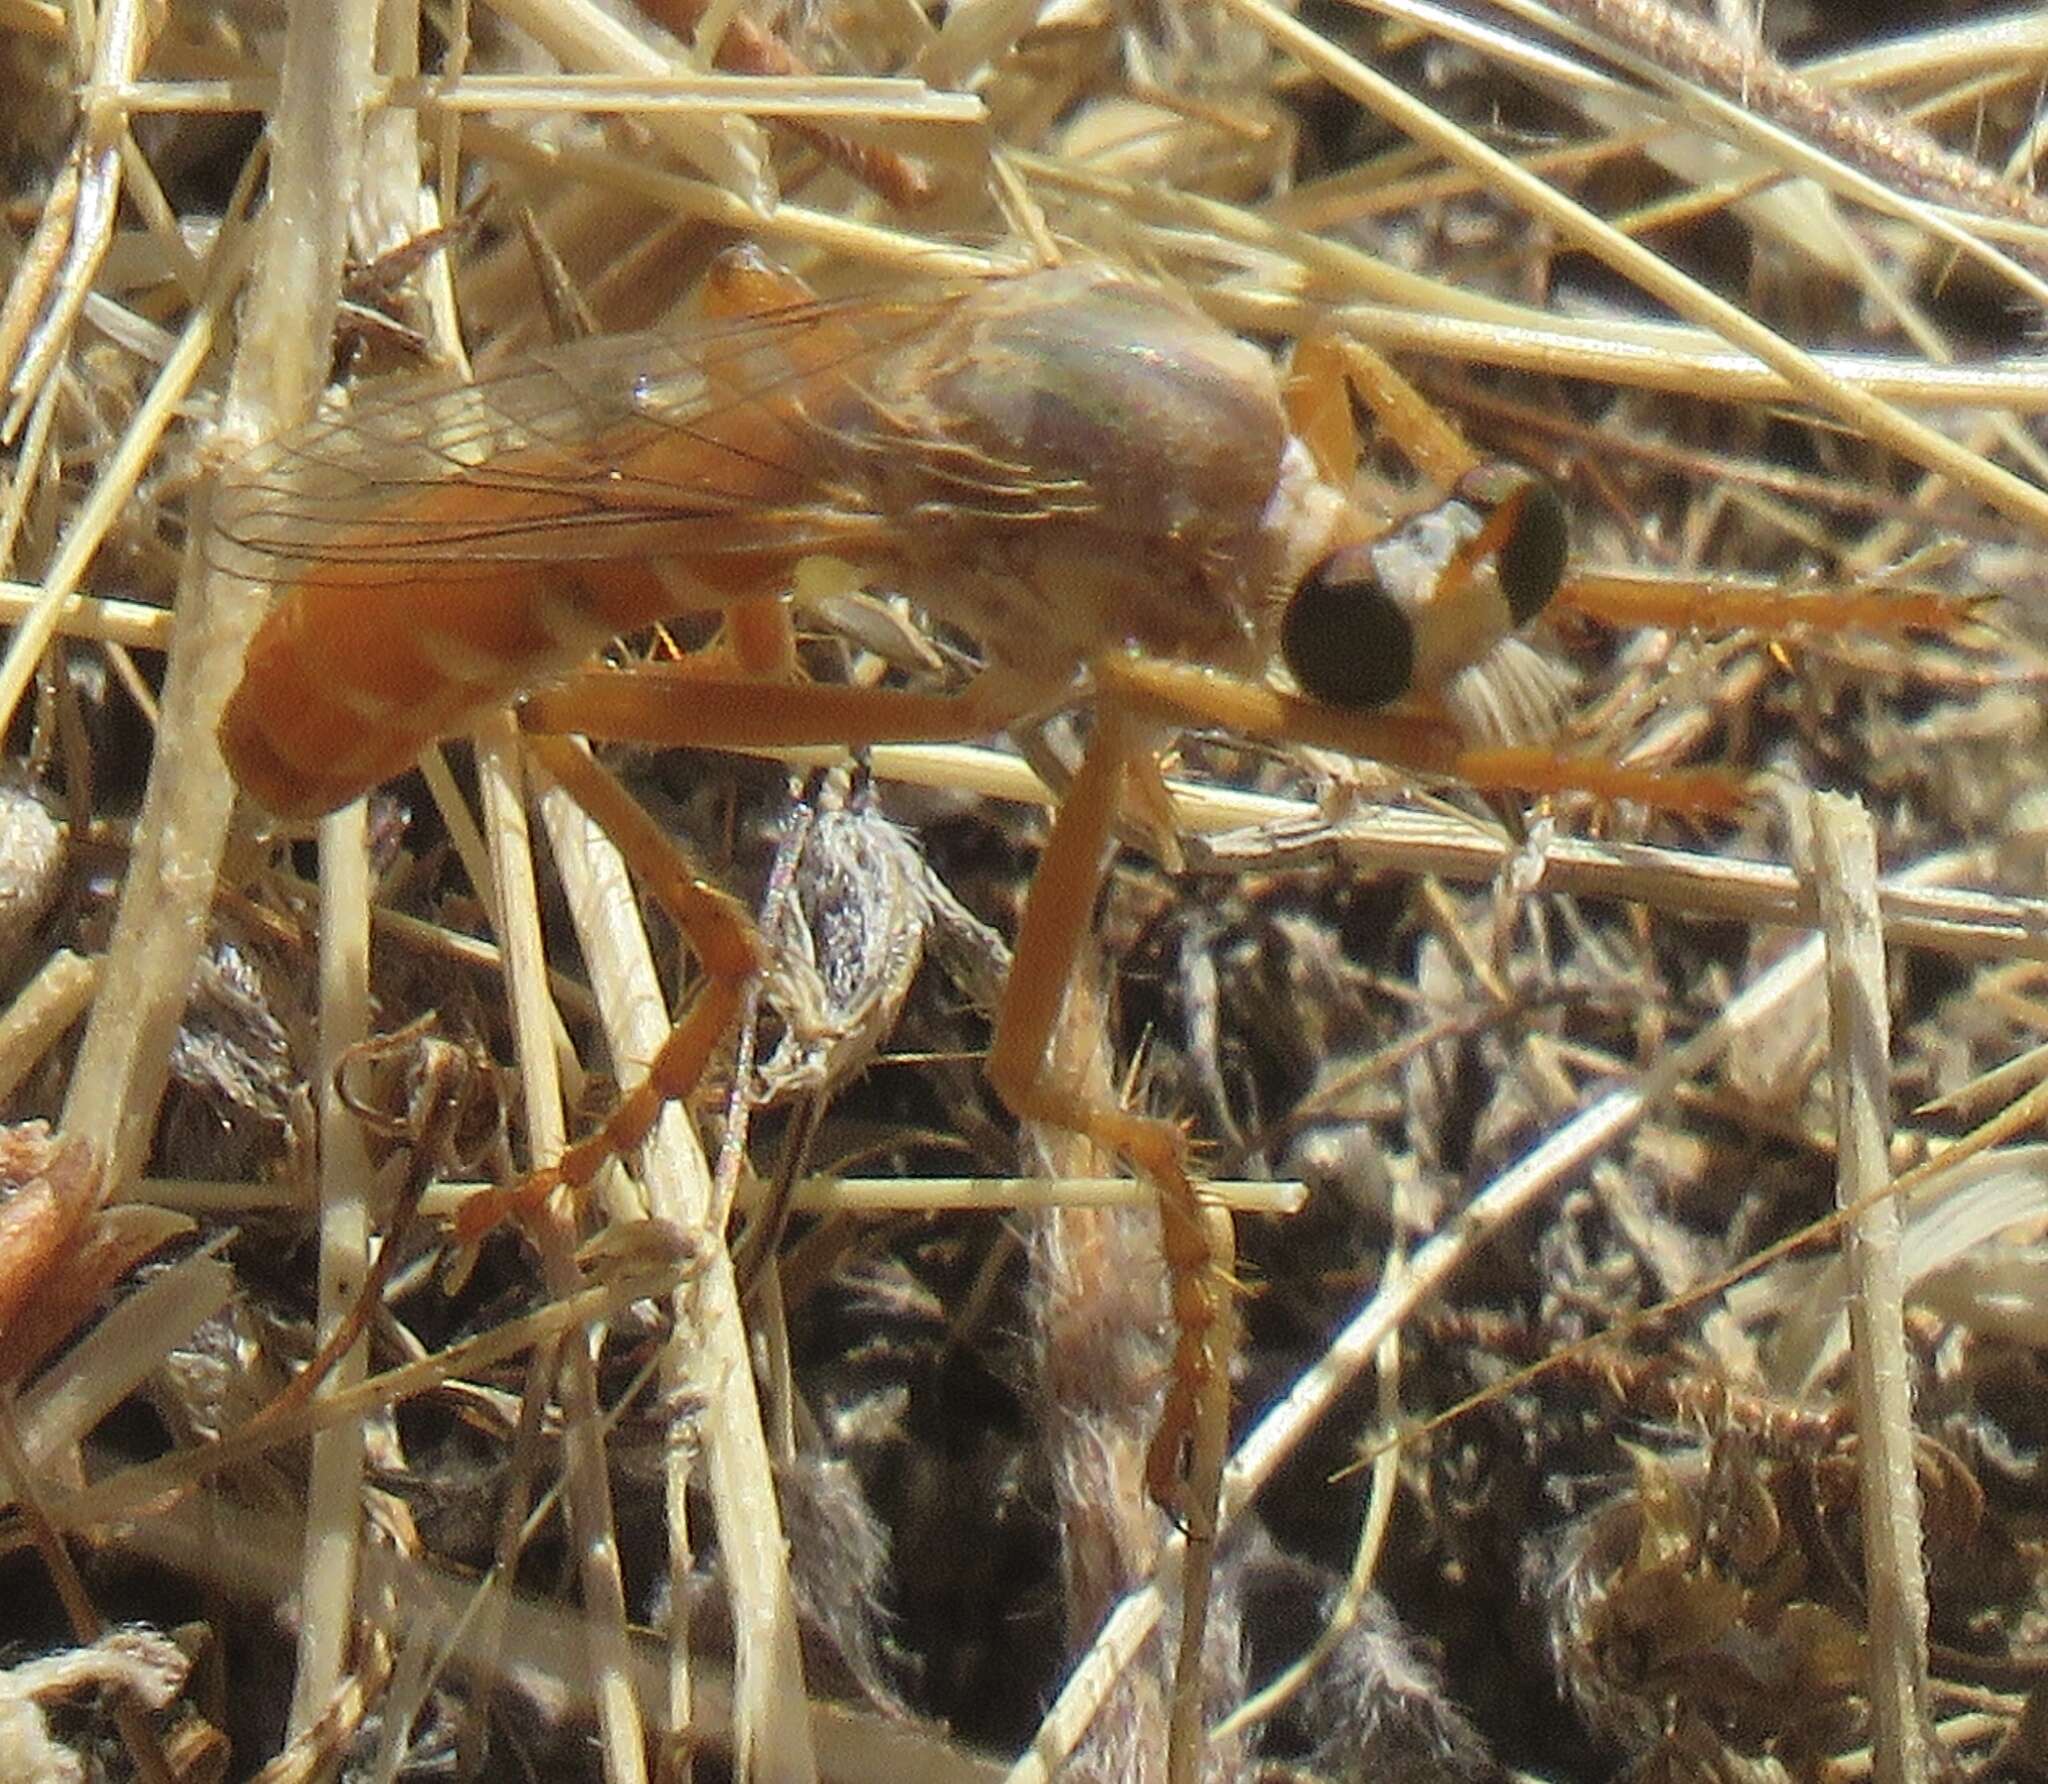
(368, 658)
(417, 609)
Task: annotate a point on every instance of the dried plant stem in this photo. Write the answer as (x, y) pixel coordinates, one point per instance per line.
(42, 1010)
(124, 1495)
(112, 491)
(889, 249)
(587, 39)
(809, 1195)
(88, 616)
(328, 1593)
(1663, 358)
(1880, 421)
(91, 1378)
(1887, 147)
(1917, 909)
(1962, 46)
(1188, 1745)
(161, 926)
(621, 1732)
(84, 219)
(190, 1537)
(1779, 147)
(334, 1489)
(1286, 1685)
(18, 1475)
(708, 1362)
(287, 325)
(1859, 1024)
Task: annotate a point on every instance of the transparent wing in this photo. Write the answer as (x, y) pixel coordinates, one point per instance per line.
(738, 437)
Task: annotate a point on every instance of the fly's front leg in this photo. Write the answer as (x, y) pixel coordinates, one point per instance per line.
(1057, 913)
(1327, 368)
(1188, 697)
(1774, 608)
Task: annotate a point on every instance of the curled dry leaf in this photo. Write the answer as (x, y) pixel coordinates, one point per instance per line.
(59, 1249)
(147, 1668)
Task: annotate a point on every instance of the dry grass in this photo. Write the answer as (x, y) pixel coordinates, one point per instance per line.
(1537, 1134)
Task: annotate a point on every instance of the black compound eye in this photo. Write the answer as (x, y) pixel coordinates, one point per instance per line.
(1531, 561)
(1346, 640)
(1528, 564)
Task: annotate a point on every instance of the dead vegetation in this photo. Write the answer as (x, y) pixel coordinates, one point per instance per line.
(1579, 1436)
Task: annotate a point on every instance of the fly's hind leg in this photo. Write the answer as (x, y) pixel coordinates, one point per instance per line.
(643, 707)
(706, 704)
(648, 706)
(720, 933)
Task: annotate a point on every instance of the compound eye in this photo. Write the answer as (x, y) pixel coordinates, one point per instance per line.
(1346, 640)
(1532, 556)
(1529, 561)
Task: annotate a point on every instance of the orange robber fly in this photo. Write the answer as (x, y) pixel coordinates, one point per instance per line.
(1127, 505)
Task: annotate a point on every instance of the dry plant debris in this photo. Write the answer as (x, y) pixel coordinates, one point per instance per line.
(1554, 1392)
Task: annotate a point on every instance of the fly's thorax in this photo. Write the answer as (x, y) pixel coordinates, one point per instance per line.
(1044, 607)
(1098, 448)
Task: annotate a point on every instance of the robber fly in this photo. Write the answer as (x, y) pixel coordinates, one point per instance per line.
(1122, 502)
(1066, 464)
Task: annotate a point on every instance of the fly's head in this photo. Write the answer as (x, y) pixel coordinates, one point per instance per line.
(1430, 608)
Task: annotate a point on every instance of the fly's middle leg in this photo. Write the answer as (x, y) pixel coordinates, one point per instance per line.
(1057, 913)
